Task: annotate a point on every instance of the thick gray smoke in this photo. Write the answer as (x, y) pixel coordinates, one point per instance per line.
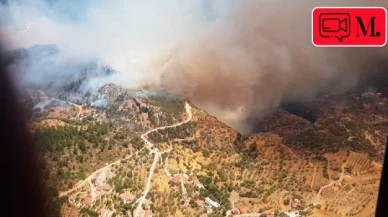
(236, 59)
(261, 55)
(45, 67)
(128, 35)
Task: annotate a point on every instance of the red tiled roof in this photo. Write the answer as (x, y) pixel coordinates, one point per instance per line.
(103, 188)
(176, 179)
(87, 200)
(235, 211)
(194, 178)
(147, 213)
(127, 196)
(271, 215)
(199, 202)
(243, 210)
(294, 204)
(338, 183)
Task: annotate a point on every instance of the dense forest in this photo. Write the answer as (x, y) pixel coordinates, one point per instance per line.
(51, 143)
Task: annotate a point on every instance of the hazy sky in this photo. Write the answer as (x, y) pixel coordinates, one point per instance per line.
(124, 34)
(236, 58)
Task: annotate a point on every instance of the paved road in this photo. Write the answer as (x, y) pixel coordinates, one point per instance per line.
(149, 145)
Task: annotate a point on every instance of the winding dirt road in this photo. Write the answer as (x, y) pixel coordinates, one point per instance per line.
(89, 178)
(155, 151)
(341, 177)
(149, 146)
(188, 111)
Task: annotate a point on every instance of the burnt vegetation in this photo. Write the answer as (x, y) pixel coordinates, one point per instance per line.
(300, 110)
(352, 121)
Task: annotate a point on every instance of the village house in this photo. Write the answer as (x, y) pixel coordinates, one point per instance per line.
(127, 197)
(337, 184)
(295, 203)
(211, 202)
(176, 179)
(199, 203)
(243, 210)
(87, 200)
(235, 211)
(103, 188)
(196, 182)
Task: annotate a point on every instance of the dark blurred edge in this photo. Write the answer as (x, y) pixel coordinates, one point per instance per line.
(382, 204)
(22, 185)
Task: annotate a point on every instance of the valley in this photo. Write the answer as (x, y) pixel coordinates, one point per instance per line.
(157, 156)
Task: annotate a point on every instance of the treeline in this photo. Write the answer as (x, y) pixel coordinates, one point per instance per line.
(170, 109)
(213, 192)
(54, 138)
(179, 132)
(51, 139)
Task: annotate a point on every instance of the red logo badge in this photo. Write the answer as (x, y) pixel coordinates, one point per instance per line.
(349, 26)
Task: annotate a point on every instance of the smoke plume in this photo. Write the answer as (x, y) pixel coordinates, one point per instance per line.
(236, 59)
(260, 56)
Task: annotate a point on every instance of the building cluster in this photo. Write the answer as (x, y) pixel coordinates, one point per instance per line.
(237, 211)
(186, 179)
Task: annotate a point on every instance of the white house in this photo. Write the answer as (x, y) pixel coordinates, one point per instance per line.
(212, 203)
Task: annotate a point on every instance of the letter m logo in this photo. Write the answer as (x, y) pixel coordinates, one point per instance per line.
(364, 29)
